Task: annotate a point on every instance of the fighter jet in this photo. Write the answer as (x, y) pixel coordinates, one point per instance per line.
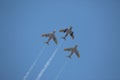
(51, 36)
(73, 50)
(68, 31)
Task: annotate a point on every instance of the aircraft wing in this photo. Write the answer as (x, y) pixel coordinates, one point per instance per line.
(63, 30)
(45, 35)
(78, 54)
(67, 49)
(72, 35)
(55, 39)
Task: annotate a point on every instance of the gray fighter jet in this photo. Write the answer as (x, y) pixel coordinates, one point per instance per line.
(73, 50)
(51, 36)
(68, 31)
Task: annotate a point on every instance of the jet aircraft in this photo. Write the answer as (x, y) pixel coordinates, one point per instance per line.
(73, 50)
(68, 31)
(51, 36)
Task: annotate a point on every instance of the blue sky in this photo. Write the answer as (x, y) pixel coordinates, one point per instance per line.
(96, 25)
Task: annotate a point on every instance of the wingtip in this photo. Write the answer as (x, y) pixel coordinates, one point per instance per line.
(60, 31)
(69, 57)
(64, 38)
(73, 38)
(56, 43)
(65, 49)
(78, 56)
(47, 43)
(42, 35)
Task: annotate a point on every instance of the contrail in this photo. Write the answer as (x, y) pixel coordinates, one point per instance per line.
(34, 63)
(47, 63)
(61, 70)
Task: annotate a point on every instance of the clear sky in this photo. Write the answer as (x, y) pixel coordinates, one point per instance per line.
(96, 26)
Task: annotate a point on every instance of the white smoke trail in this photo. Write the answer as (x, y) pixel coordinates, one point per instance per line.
(47, 63)
(34, 63)
(61, 70)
